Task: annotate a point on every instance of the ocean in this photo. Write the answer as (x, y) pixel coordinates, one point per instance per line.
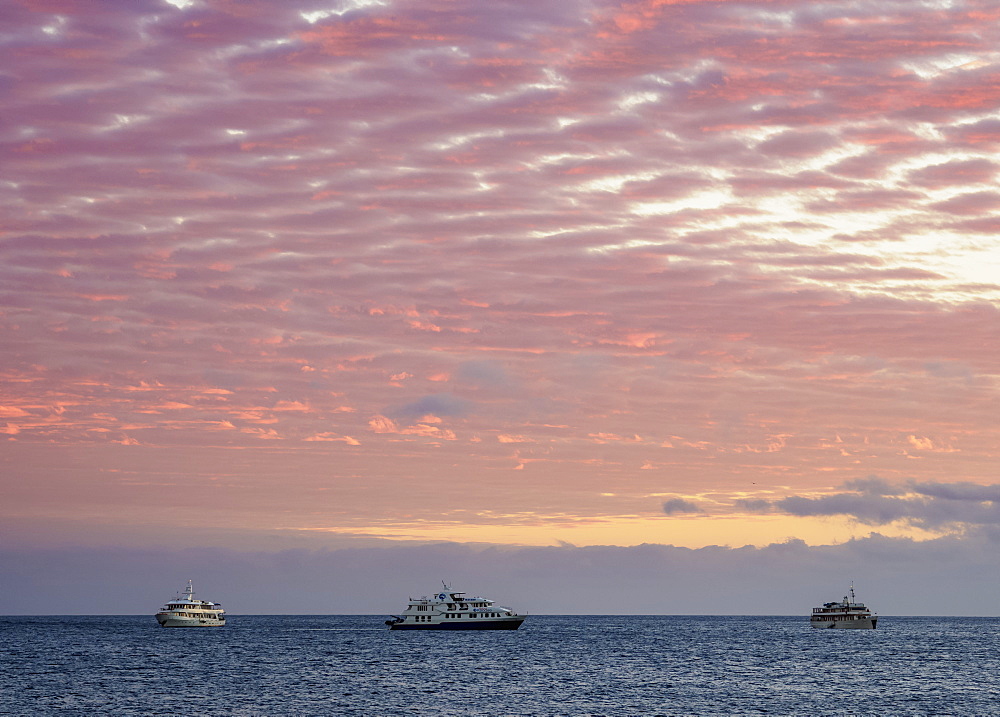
(554, 665)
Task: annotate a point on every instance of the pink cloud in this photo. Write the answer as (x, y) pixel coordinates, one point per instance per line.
(970, 203)
(955, 173)
(657, 246)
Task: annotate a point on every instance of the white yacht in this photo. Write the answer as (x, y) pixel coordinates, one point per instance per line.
(844, 615)
(185, 611)
(452, 610)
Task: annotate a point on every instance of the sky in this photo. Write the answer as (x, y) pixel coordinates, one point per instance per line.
(690, 300)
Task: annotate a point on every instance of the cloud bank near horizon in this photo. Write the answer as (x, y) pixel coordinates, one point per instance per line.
(875, 502)
(947, 576)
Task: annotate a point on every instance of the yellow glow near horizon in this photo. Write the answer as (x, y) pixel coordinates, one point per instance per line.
(687, 532)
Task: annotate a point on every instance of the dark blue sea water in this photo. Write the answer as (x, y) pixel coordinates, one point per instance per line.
(566, 665)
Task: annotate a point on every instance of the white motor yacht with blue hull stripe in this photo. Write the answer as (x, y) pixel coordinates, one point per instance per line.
(452, 610)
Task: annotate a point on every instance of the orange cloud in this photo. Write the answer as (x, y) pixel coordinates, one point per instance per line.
(297, 406)
(333, 437)
(381, 424)
(505, 438)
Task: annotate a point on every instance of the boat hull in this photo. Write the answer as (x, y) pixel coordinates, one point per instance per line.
(176, 621)
(864, 624)
(460, 625)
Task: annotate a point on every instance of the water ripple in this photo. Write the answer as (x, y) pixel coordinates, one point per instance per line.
(642, 665)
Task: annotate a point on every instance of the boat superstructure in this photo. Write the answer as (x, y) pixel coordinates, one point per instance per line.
(848, 614)
(450, 609)
(187, 611)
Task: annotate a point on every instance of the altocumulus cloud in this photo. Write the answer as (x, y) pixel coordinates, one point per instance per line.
(873, 501)
(679, 505)
(439, 404)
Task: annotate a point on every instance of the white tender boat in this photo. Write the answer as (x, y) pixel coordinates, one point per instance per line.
(452, 610)
(185, 611)
(844, 615)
